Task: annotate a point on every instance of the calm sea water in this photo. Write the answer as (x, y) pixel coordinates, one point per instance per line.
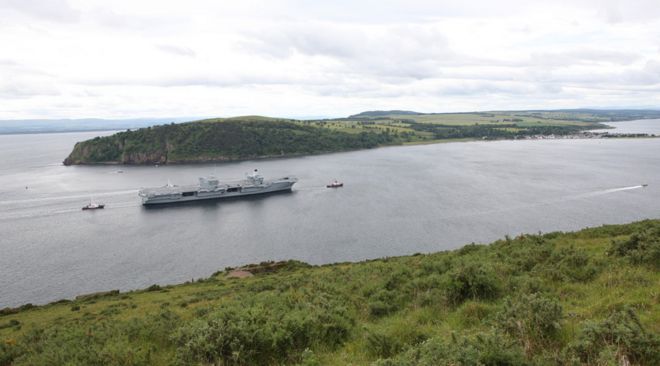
(396, 201)
(648, 126)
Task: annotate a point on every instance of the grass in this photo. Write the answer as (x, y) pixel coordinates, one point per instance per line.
(488, 118)
(393, 309)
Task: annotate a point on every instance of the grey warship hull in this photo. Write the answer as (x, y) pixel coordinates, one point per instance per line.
(210, 188)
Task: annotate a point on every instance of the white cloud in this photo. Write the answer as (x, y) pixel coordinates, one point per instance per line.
(51, 10)
(176, 50)
(296, 58)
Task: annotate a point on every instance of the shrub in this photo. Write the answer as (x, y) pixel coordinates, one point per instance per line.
(102, 343)
(382, 303)
(526, 284)
(471, 281)
(532, 319)
(382, 344)
(570, 264)
(257, 334)
(642, 247)
(621, 334)
(309, 359)
(392, 337)
(484, 349)
(9, 351)
(473, 313)
(469, 249)
(10, 324)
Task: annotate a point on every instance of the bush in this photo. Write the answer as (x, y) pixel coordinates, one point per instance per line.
(484, 349)
(309, 359)
(471, 281)
(9, 351)
(642, 247)
(382, 303)
(10, 324)
(620, 334)
(473, 313)
(392, 337)
(240, 335)
(103, 343)
(570, 264)
(532, 319)
(381, 344)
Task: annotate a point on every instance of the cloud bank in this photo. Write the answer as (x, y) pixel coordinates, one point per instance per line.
(128, 59)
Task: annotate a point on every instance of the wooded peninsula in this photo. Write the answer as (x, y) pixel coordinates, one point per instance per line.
(252, 137)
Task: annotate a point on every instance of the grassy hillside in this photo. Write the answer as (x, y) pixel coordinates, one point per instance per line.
(590, 297)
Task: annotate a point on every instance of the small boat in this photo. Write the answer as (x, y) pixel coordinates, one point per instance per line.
(93, 206)
(645, 185)
(335, 184)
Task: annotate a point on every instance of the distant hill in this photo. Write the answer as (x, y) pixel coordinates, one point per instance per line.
(20, 126)
(578, 114)
(372, 114)
(617, 114)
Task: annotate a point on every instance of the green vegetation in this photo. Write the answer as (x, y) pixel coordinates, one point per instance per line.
(253, 137)
(218, 140)
(584, 298)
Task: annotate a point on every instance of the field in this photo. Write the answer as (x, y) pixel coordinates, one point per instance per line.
(505, 124)
(589, 297)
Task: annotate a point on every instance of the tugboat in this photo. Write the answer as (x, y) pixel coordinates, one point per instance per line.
(93, 206)
(335, 184)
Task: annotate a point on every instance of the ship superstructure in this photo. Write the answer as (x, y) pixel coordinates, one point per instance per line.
(211, 188)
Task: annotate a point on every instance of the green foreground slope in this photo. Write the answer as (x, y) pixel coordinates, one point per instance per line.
(590, 297)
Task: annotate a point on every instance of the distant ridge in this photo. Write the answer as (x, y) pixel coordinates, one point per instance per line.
(382, 113)
(22, 126)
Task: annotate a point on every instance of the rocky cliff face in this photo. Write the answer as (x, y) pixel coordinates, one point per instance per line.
(111, 150)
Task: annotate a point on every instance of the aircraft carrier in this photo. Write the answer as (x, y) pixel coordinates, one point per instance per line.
(211, 188)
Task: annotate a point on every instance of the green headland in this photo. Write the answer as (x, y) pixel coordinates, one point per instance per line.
(590, 297)
(251, 137)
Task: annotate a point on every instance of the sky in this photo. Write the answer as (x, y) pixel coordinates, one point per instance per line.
(304, 59)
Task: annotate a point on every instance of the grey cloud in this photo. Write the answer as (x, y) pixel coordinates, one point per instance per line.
(130, 22)
(311, 39)
(582, 56)
(24, 90)
(411, 51)
(226, 80)
(8, 62)
(50, 10)
(647, 75)
(177, 50)
(628, 78)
